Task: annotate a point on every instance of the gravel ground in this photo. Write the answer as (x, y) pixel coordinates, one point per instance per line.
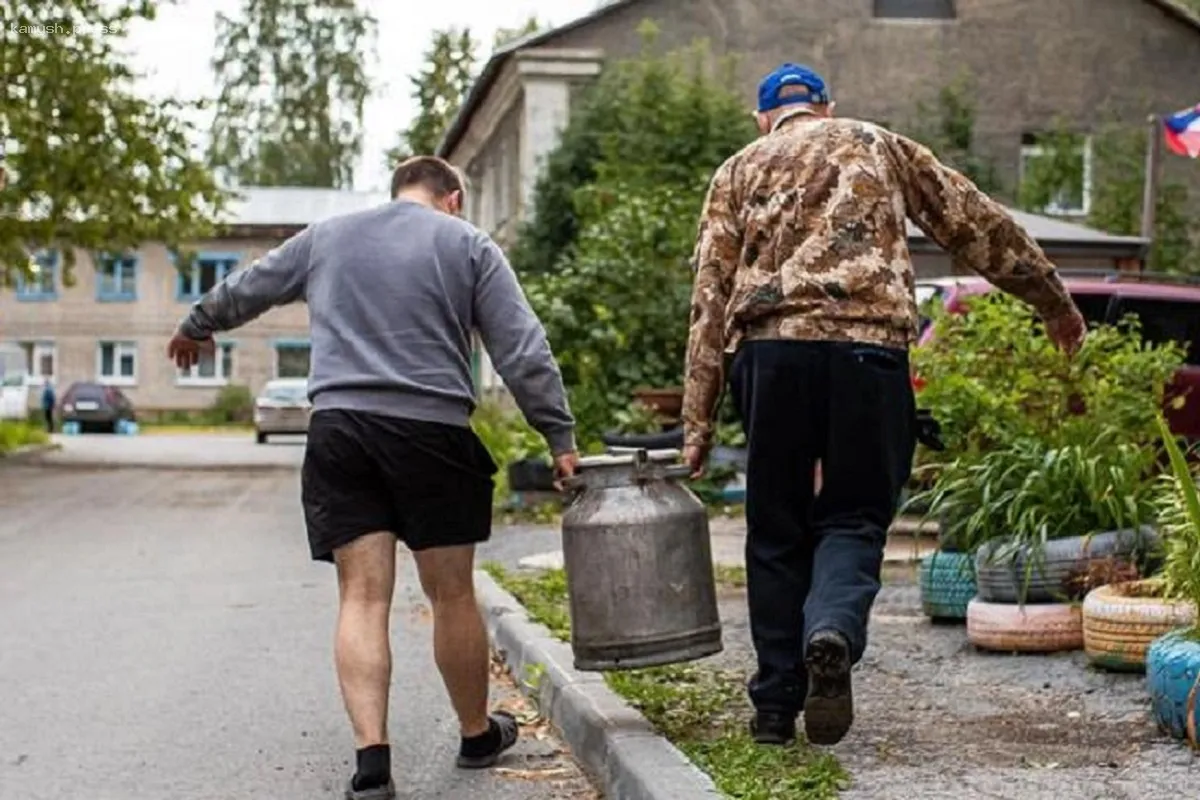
(935, 719)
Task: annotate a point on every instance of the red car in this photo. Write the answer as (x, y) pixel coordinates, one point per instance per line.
(1167, 306)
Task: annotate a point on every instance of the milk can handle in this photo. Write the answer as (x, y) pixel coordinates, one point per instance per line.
(677, 472)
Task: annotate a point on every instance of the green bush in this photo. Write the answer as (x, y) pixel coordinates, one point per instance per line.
(1040, 446)
(1179, 506)
(234, 405)
(992, 378)
(15, 435)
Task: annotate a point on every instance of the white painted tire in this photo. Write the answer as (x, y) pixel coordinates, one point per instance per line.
(1032, 628)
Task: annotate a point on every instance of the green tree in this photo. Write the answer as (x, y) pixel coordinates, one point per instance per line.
(439, 89)
(90, 164)
(631, 171)
(506, 35)
(1117, 186)
(948, 128)
(293, 83)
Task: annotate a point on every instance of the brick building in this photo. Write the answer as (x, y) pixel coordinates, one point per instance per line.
(113, 323)
(1033, 64)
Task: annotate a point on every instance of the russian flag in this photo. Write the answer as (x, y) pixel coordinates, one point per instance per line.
(1183, 132)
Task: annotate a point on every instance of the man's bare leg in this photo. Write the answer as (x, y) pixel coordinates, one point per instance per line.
(460, 648)
(366, 571)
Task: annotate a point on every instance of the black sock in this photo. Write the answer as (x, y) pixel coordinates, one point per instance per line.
(484, 744)
(374, 767)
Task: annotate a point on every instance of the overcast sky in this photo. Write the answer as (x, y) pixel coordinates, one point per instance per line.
(174, 53)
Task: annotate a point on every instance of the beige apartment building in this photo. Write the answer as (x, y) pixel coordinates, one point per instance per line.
(113, 323)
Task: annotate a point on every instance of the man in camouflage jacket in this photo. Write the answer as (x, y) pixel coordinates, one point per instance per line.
(804, 280)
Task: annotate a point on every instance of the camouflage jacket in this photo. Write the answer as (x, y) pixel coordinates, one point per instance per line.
(803, 236)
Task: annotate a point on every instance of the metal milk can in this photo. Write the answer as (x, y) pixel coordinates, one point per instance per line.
(639, 564)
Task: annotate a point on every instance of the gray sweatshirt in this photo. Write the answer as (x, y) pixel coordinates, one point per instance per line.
(393, 294)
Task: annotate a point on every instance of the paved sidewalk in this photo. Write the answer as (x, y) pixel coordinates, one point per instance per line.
(165, 635)
(908, 542)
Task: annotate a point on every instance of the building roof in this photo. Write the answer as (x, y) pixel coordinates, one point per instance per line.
(491, 70)
(1049, 230)
(294, 206)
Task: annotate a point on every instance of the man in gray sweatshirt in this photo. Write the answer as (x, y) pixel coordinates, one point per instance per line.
(393, 295)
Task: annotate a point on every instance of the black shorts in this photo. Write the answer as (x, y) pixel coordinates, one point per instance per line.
(428, 483)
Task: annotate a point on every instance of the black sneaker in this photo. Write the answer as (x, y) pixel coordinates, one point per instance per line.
(773, 727)
(829, 707)
(505, 732)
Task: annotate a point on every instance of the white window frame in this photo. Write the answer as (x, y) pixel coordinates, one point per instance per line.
(35, 350)
(191, 379)
(119, 349)
(1029, 151)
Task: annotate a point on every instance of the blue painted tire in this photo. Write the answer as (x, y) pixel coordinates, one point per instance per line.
(1173, 680)
(947, 585)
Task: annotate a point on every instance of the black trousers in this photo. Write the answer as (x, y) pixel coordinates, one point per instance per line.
(814, 563)
(49, 412)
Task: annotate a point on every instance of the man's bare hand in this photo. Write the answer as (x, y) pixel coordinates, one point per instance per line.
(565, 466)
(1068, 332)
(186, 352)
(695, 457)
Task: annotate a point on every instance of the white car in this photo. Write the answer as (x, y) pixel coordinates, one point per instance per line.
(282, 408)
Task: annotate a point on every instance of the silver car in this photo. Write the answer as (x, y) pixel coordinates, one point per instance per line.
(282, 408)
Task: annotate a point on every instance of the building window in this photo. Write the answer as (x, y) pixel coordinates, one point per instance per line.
(116, 278)
(41, 284)
(213, 369)
(41, 359)
(204, 273)
(915, 9)
(1056, 173)
(292, 359)
(117, 363)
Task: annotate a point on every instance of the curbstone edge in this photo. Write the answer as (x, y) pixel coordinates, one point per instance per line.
(610, 738)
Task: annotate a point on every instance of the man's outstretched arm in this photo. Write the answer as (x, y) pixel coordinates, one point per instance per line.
(979, 234)
(278, 278)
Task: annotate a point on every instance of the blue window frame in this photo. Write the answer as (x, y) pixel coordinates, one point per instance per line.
(205, 272)
(116, 278)
(42, 285)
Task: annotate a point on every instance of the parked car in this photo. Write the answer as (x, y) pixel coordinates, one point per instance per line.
(282, 408)
(1167, 306)
(96, 407)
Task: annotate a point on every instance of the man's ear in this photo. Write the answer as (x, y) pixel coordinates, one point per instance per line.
(454, 203)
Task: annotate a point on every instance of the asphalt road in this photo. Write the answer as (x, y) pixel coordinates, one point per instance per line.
(164, 634)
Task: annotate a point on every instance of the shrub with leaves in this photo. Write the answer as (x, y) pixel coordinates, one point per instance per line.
(1179, 521)
(992, 377)
(605, 258)
(1040, 446)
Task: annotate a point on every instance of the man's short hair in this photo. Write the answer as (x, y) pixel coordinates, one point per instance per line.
(436, 175)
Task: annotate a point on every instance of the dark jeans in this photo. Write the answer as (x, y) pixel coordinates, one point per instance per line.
(49, 420)
(814, 563)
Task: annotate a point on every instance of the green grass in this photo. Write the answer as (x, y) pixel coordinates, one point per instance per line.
(701, 710)
(15, 435)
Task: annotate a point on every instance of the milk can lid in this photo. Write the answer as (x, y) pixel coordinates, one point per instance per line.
(627, 456)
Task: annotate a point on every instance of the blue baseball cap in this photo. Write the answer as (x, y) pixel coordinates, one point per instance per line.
(789, 75)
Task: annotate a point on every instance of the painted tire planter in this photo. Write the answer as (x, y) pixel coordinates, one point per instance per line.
(947, 585)
(1172, 678)
(1011, 628)
(1120, 622)
(1052, 577)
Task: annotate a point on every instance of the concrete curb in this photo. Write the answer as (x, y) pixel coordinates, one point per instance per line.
(610, 738)
(99, 464)
(23, 455)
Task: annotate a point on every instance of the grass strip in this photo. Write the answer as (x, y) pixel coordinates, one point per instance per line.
(700, 709)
